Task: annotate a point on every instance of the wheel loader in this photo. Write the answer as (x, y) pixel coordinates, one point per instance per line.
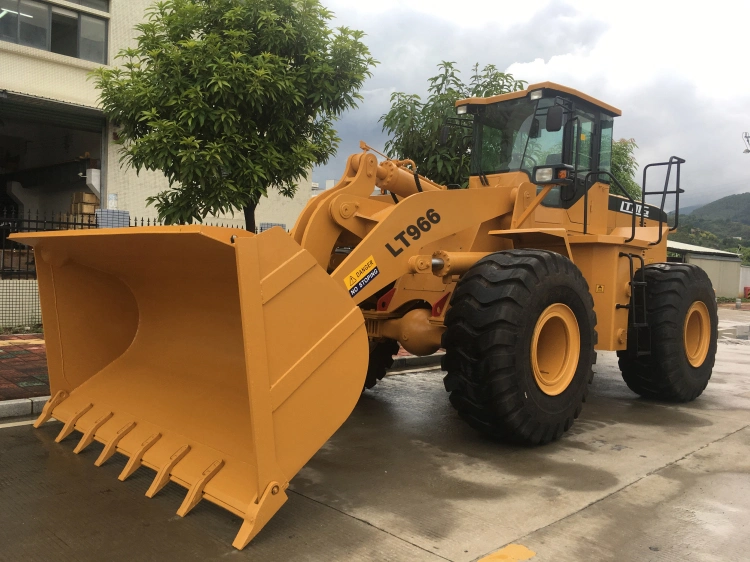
(223, 360)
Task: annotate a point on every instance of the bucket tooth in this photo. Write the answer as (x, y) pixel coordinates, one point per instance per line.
(111, 447)
(135, 461)
(88, 437)
(258, 514)
(162, 477)
(195, 495)
(70, 425)
(51, 404)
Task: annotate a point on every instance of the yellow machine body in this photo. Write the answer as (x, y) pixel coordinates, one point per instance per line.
(223, 360)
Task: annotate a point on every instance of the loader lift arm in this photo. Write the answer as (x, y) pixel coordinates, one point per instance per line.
(391, 234)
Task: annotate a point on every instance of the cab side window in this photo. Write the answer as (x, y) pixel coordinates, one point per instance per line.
(583, 141)
(605, 152)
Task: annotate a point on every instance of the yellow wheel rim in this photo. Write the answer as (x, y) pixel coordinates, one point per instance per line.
(697, 333)
(555, 349)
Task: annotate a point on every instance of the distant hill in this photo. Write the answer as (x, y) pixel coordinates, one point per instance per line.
(723, 225)
(734, 208)
(684, 211)
(690, 209)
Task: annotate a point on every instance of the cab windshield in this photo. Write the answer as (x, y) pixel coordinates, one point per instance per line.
(512, 136)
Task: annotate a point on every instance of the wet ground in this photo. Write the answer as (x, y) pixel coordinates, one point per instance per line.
(405, 479)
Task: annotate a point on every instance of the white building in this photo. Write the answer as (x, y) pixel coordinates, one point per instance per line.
(53, 139)
(723, 268)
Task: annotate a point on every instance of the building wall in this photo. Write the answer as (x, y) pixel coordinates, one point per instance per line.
(724, 273)
(744, 279)
(48, 75)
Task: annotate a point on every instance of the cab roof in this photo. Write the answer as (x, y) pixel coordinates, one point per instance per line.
(542, 86)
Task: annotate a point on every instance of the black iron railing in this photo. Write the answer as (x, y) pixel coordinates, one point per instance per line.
(619, 186)
(19, 295)
(673, 162)
(639, 210)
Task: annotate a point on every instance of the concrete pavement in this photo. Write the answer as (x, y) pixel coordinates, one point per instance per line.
(406, 479)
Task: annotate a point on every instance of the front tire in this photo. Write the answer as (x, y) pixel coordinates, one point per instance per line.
(683, 320)
(519, 344)
(381, 359)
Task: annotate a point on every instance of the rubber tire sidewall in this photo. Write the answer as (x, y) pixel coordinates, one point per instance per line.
(667, 373)
(380, 360)
(554, 409)
(685, 381)
(489, 328)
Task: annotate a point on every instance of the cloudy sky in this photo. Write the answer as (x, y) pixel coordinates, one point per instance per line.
(678, 70)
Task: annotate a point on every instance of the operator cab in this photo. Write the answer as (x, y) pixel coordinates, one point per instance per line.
(547, 130)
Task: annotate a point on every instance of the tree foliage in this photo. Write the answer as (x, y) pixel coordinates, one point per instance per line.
(414, 125)
(625, 166)
(230, 98)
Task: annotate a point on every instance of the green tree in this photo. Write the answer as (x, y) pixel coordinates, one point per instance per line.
(625, 166)
(414, 125)
(230, 98)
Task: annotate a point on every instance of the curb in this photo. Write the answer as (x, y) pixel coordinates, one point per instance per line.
(23, 407)
(414, 362)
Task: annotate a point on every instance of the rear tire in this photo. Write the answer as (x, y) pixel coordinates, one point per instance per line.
(683, 320)
(498, 313)
(381, 359)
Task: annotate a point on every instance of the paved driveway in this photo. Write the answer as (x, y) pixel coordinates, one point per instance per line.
(405, 479)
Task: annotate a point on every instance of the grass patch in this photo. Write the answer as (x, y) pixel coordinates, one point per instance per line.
(729, 300)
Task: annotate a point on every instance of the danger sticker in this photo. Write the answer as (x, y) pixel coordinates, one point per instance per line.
(360, 277)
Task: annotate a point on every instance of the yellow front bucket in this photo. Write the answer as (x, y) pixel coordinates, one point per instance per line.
(220, 359)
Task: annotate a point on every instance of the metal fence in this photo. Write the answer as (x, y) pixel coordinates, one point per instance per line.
(19, 294)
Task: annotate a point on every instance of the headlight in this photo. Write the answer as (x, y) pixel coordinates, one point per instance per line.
(543, 175)
(535, 95)
(462, 110)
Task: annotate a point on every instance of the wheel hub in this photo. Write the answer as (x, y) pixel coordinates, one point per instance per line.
(555, 349)
(697, 333)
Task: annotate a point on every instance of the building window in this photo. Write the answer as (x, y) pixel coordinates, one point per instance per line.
(8, 20)
(102, 5)
(33, 24)
(64, 33)
(93, 39)
(59, 30)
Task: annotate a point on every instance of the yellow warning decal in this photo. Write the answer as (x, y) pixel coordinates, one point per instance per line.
(360, 277)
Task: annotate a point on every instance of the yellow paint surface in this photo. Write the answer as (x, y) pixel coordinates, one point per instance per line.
(8, 343)
(510, 553)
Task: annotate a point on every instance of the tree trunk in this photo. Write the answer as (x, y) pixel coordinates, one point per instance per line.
(249, 211)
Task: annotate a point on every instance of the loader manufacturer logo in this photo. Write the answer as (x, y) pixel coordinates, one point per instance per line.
(627, 207)
(360, 277)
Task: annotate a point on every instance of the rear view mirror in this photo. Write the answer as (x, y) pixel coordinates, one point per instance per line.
(554, 119)
(444, 133)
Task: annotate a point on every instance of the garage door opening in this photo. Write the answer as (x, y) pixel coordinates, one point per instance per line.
(50, 159)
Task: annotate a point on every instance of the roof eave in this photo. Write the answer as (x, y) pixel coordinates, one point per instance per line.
(612, 110)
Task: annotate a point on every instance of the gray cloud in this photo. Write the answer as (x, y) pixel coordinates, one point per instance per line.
(410, 45)
(666, 115)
